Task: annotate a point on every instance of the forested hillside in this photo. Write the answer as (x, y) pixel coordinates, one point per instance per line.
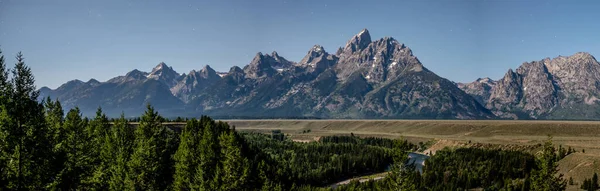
(41, 148)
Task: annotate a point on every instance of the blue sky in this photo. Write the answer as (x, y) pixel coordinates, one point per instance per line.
(459, 40)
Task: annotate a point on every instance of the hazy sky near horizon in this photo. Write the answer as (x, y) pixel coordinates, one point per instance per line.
(459, 40)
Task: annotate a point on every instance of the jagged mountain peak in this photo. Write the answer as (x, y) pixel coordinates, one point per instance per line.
(358, 41)
(378, 61)
(260, 66)
(162, 68)
(258, 55)
(364, 33)
(315, 52)
(583, 54)
(207, 68)
(164, 73)
(267, 65)
(93, 82)
(339, 51)
(208, 73)
(317, 48)
(577, 55)
(484, 80)
(275, 55)
(235, 69)
(70, 85)
(135, 73)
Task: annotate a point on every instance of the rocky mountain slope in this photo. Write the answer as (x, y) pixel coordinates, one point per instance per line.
(480, 89)
(565, 87)
(363, 79)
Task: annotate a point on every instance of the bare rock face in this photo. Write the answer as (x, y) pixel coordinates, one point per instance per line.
(195, 82)
(317, 60)
(480, 89)
(266, 65)
(165, 74)
(377, 61)
(359, 42)
(566, 87)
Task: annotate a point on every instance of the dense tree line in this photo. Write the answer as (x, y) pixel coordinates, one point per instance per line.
(319, 163)
(467, 168)
(591, 183)
(373, 141)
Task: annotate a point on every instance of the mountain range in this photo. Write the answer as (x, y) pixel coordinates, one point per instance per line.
(565, 87)
(364, 79)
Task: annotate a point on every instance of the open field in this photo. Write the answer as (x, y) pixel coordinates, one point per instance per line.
(456, 133)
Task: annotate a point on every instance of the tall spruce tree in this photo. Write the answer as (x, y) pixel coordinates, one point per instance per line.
(209, 149)
(404, 175)
(150, 167)
(545, 178)
(188, 155)
(5, 92)
(98, 133)
(234, 169)
(54, 120)
(76, 148)
(24, 146)
(5, 86)
(116, 153)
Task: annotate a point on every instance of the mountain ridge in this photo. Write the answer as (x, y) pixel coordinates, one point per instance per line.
(367, 78)
(564, 87)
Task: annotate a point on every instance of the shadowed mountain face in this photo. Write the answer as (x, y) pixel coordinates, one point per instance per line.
(565, 87)
(363, 79)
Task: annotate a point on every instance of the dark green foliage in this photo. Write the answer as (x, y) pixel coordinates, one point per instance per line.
(187, 155)
(100, 134)
(458, 169)
(590, 184)
(544, 177)
(115, 155)
(373, 141)
(151, 164)
(24, 143)
(75, 150)
(209, 155)
(466, 168)
(316, 163)
(233, 171)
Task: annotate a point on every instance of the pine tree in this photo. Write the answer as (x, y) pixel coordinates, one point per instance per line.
(24, 146)
(116, 153)
(403, 176)
(5, 91)
(54, 119)
(545, 177)
(54, 115)
(594, 184)
(187, 155)
(204, 177)
(233, 171)
(150, 167)
(76, 148)
(5, 86)
(98, 133)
